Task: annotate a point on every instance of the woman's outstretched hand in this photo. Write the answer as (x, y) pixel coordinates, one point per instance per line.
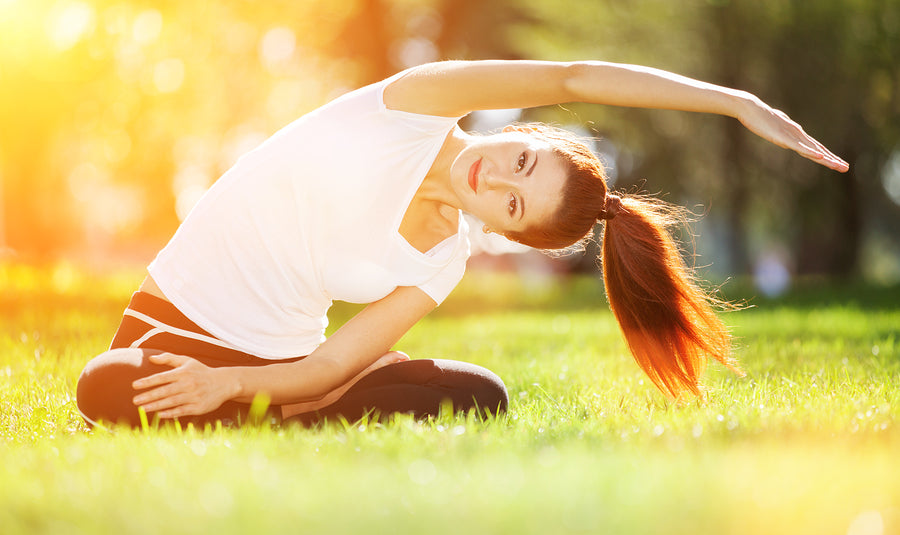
(775, 126)
(189, 388)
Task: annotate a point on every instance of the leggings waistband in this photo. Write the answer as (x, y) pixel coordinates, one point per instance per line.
(153, 323)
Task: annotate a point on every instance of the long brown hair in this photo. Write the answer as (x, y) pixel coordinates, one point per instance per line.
(667, 319)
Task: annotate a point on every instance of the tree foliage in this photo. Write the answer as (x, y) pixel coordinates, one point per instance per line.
(117, 114)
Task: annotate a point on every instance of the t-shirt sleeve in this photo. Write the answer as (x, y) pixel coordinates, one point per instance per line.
(440, 286)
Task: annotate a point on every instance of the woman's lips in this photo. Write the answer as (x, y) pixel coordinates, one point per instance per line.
(473, 175)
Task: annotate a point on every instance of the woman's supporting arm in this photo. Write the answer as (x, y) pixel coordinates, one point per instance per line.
(191, 388)
(455, 88)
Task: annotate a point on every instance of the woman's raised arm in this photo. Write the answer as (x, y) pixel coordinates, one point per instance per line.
(454, 88)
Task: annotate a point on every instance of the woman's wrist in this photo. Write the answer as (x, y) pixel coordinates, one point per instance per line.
(741, 103)
(232, 383)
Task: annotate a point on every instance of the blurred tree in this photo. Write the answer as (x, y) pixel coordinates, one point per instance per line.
(117, 114)
(830, 64)
(364, 37)
(474, 29)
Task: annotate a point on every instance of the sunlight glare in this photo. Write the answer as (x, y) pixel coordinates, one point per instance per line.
(68, 23)
(415, 51)
(186, 199)
(105, 206)
(285, 97)
(147, 26)
(188, 185)
(276, 48)
(168, 75)
(116, 146)
(238, 141)
(867, 523)
(2, 215)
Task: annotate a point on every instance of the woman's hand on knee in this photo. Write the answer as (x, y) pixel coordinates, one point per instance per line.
(391, 357)
(189, 388)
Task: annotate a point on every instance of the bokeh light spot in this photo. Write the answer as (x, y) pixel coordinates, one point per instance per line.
(277, 47)
(68, 23)
(415, 51)
(104, 205)
(771, 274)
(168, 75)
(147, 26)
(890, 177)
(116, 146)
(188, 185)
(867, 523)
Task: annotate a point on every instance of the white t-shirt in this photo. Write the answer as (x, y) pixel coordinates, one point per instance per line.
(310, 216)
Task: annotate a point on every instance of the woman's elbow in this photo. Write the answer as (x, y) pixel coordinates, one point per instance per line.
(574, 78)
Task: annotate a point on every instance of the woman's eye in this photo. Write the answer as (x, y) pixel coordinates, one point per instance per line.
(523, 159)
(513, 203)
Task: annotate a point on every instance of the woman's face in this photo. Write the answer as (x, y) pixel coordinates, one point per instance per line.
(510, 181)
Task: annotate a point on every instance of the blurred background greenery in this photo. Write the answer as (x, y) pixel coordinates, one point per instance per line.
(116, 115)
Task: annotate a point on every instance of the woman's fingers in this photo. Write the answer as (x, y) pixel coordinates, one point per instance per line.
(166, 402)
(398, 356)
(775, 126)
(190, 387)
(169, 359)
(825, 157)
(156, 394)
(164, 390)
(808, 147)
(814, 150)
(151, 381)
(161, 378)
(391, 357)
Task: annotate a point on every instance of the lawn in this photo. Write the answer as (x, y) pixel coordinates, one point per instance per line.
(807, 442)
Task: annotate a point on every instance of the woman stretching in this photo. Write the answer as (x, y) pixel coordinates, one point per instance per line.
(361, 201)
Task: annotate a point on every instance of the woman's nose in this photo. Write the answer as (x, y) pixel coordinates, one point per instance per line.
(494, 180)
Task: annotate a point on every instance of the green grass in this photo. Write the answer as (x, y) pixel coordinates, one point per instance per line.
(807, 442)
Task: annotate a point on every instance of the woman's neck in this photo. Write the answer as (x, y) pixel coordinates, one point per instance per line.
(436, 186)
(433, 213)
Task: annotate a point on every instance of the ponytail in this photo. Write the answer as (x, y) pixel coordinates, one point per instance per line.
(667, 320)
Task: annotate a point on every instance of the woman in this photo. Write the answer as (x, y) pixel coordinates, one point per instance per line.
(360, 201)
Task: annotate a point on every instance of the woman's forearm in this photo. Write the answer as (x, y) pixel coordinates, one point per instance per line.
(645, 87)
(289, 382)
(361, 344)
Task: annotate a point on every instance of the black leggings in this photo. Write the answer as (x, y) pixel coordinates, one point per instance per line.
(151, 325)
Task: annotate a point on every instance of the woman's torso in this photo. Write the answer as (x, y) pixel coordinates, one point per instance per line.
(313, 215)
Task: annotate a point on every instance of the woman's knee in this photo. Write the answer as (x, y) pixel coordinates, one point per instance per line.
(485, 388)
(467, 385)
(104, 391)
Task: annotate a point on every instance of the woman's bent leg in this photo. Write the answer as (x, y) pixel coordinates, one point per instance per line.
(418, 387)
(105, 394)
(150, 326)
(104, 390)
